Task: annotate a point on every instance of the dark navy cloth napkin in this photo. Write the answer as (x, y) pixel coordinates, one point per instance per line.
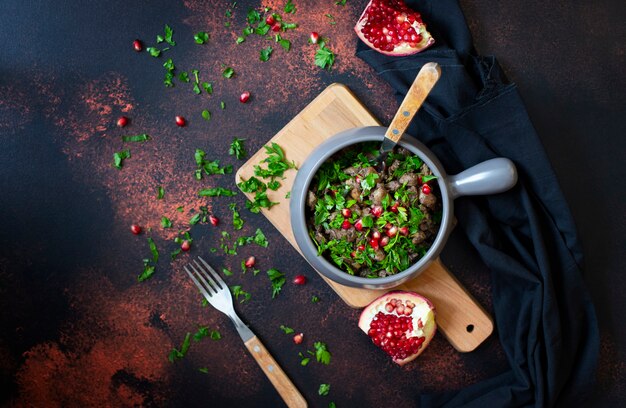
(544, 315)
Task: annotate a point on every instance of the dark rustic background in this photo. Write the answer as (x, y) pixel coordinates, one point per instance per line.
(77, 329)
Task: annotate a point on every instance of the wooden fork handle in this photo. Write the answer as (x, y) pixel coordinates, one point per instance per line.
(276, 375)
(415, 96)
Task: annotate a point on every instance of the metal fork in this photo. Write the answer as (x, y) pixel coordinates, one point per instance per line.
(218, 295)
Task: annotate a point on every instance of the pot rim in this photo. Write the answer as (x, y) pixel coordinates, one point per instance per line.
(298, 207)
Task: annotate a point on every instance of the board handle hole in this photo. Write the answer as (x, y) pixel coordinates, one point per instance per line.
(470, 328)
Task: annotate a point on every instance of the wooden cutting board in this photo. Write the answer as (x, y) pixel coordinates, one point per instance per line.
(460, 318)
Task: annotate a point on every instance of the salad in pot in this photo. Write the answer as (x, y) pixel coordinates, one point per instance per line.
(371, 222)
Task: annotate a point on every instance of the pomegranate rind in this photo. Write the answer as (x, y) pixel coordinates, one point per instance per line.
(424, 310)
(403, 48)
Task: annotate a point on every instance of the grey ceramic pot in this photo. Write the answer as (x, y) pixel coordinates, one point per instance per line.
(489, 177)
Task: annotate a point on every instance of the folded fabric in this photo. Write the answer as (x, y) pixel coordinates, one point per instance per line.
(544, 315)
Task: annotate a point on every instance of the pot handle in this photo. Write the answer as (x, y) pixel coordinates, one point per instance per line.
(489, 177)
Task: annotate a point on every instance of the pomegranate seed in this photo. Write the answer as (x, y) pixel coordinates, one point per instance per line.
(426, 189)
(314, 37)
(391, 232)
(357, 179)
(180, 121)
(244, 97)
(137, 45)
(361, 247)
(298, 338)
(376, 235)
(135, 229)
(374, 243)
(400, 309)
(384, 241)
(346, 224)
(299, 280)
(276, 27)
(185, 246)
(250, 262)
(213, 220)
(346, 212)
(394, 208)
(389, 307)
(377, 211)
(404, 231)
(359, 225)
(122, 121)
(270, 20)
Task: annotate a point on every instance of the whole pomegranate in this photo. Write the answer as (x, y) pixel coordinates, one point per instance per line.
(400, 323)
(391, 28)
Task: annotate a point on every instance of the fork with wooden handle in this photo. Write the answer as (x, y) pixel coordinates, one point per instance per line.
(216, 292)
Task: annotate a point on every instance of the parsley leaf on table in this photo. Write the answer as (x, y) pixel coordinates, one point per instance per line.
(290, 7)
(160, 193)
(228, 72)
(237, 149)
(277, 279)
(201, 37)
(168, 35)
(324, 389)
(165, 222)
(324, 56)
(148, 271)
(119, 157)
(287, 330)
(237, 221)
(266, 53)
(136, 138)
(155, 52)
(237, 291)
(209, 167)
(176, 354)
(206, 115)
(321, 352)
(216, 192)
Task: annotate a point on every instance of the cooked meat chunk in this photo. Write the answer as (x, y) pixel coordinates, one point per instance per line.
(311, 200)
(429, 200)
(377, 195)
(418, 237)
(379, 255)
(411, 179)
(393, 186)
(348, 235)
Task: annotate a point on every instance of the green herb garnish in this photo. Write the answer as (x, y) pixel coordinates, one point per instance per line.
(237, 221)
(286, 330)
(176, 354)
(266, 53)
(321, 352)
(216, 192)
(136, 138)
(160, 193)
(277, 279)
(290, 7)
(206, 115)
(324, 56)
(237, 149)
(119, 157)
(228, 72)
(324, 389)
(165, 222)
(237, 291)
(201, 37)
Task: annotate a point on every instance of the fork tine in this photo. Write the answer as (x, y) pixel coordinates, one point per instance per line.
(214, 274)
(200, 286)
(209, 285)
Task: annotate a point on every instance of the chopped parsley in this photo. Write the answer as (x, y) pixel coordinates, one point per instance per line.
(119, 157)
(168, 36)
(305, 360)
(153, 250)
(195, 219)
(286, 44)
(277, 279)
(324, 389)
(208, 87)
(155, 52)
(160, 193)
(237, 291)
(286, 330)
(237, 221)
(136, 138)
(266, 53)
(322, 355)
(277, 164)
(176, 354)
(169, 73)
(203, 331)
(324, 56)
(203, 370)
(228, 72)
(340, 3)
(290, 7)
(227, 272)
(165, 222)
(206, 115)
(209, 167)
(237, 149)
(216, 192)
(314, 299)
(273, 185)
(183, 77)
(260, 239)
(222, 105)
(331, 19)
(148, 271)
(201, 37)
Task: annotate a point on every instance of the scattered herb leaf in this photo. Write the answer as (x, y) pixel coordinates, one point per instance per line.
(290, 7)
(287, 330)
(206, 115)
(266, 53)
(228, 72)
(136, 138)
(119, 157)
(160, 193)
(321, 352)
(201, 37)
(277, 279)
(237, 291)
(237, 149)
(324, 389)
(216, 192)
(176, 354)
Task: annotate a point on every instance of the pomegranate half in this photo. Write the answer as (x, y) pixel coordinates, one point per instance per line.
(400, 323)
(392, 28)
